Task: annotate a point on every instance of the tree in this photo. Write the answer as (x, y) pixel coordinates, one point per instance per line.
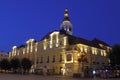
(15, 64)
(5, 64)
(26, 64)
(115, 55)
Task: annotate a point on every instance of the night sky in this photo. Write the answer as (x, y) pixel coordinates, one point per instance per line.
(21, 20)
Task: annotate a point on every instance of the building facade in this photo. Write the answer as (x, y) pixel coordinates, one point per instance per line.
(59, 52)
(3, 55)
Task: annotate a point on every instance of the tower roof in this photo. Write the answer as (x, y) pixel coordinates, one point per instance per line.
(66, 25)
(66, 16)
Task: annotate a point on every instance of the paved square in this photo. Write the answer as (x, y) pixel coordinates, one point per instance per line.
(40, 77)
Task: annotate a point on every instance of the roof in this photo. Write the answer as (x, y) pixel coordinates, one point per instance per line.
(72, 40)
(77, 40)
(97, 41)
(47, 35)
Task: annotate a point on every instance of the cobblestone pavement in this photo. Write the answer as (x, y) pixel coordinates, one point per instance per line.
(40, 77)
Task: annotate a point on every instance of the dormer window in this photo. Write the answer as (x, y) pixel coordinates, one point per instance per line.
(45, 44)
(101, 45)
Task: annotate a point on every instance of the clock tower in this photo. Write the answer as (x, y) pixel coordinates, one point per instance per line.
(66, 24)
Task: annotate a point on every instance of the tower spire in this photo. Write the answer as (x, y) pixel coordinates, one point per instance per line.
(66, 25)
(66, 15)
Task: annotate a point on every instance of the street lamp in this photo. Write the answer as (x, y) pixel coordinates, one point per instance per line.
(94, 75)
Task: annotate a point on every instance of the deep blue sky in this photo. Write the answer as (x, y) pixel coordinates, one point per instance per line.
(21, 20)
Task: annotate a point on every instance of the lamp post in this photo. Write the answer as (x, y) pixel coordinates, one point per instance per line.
(94, 75)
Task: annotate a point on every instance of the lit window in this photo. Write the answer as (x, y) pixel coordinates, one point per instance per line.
(36, 47)
(18, 52)
(31, 48)
(45, 45)
(81, 49)
(51, 40)
(23, 51)
(65, 41)
(27, 46)
(50, 44)
(92, 51)
(57, 40)
(95, 51)
(101, 45)
(85, 50)
(14, 50)
(12, 53)
(105, 53)
(102, 53)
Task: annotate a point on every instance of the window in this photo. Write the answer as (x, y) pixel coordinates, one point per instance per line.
(57, 40)
(105, 53)
(12, 53)
(60, 43)
(60, 58)
(27, 47)
(85, 49)
(41, 60)
(18, 52)
(53, 59)
(36, 47)
(45, 45)
(69, 57)
(102, 53)
(54, 42)
(15, 51)
(37, 61)
(81, 49)
(94, 51)
(47, 59)
(50, 45)
(23, 51)
(31, 47)
(65, 41)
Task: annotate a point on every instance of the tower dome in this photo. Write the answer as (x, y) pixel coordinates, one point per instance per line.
(66, 24)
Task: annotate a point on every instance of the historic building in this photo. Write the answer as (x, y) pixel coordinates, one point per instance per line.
(3, 55)
(59, 52)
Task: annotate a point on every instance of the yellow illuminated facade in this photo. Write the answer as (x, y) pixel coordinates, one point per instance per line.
(62, 53)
